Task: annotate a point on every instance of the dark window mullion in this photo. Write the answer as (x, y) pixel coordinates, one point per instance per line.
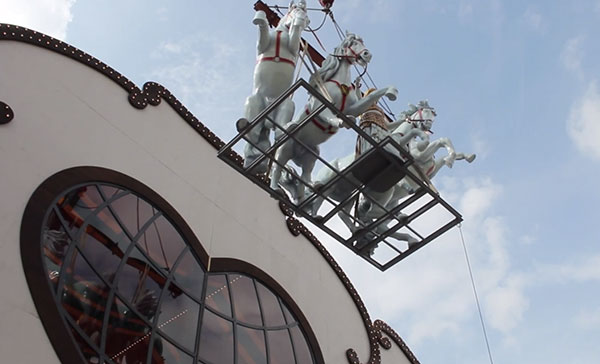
(233, 316)
(154, 326)
(114, 214)
(262, 317)
(289, 331)
(201, 317)
(114, 288)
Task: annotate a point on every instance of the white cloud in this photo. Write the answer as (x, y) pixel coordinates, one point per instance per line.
(47, 16)
(465, 9)
(506, 304)
(572, 55)
(430, 292)
(210, 76)
(588, 320)
(584, 270)
(534, 20)
(583, 125)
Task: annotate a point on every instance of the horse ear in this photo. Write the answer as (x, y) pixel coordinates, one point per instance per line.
(291, 4)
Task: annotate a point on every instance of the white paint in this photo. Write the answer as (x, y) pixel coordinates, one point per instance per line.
(67, 114)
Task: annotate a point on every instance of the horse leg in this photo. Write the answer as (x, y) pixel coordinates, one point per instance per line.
(283, 116)
(258, 135)
(468, 157)
(308, 164)
(282, 156)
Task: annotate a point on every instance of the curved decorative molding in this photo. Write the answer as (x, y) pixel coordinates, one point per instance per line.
(153, 93)
(386, 344)
(6, 113)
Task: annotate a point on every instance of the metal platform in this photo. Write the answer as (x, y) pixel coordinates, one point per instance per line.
(423, 214)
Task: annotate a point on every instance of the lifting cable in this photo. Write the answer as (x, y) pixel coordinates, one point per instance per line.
(487, 343)
(384, 105)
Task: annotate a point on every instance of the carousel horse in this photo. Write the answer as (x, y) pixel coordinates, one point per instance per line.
(273, 74)
(402, 132)
(333, 82)
(421, 117)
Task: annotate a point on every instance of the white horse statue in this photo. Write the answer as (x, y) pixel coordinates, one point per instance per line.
(425, 165)
(412, 133)
(332, 81)
(273, 74)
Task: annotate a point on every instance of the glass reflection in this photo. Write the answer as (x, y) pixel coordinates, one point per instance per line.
(128, 336)
(270, 307)
(245, 300)
(189, 274)
(217, 294)
(162, 243)
(303, 355)
(133, 212)
(250, 346)
(179, 317)
(171, 354)
(98, 287)
(280, 347)
(216, 339)
(84, 296)
(140, 283)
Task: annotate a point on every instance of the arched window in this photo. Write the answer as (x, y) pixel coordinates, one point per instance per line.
(128, 285)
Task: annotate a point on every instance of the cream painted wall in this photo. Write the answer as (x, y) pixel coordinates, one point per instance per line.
(66, 115)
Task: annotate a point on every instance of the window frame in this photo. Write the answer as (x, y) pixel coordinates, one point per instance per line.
(39, 206)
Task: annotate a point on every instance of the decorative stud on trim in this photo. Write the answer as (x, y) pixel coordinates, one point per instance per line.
(6, 113)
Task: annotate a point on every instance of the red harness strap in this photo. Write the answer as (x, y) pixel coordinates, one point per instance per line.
(277, 58)
(345, 89)
(328, 129)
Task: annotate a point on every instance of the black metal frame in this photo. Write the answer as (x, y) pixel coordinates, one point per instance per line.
(398, 161)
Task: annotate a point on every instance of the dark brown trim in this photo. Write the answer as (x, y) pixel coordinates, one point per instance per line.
(386, 344)
(374, 330)
(236, 265)
(152, 93)
(6, 113)
(33, 265)
(31, 248)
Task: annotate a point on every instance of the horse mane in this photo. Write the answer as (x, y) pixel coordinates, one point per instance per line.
(332, 63)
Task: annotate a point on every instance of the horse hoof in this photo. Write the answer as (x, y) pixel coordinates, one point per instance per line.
(241, 124)
(470, 158)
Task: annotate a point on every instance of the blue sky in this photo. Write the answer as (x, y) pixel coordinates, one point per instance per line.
(517, 82)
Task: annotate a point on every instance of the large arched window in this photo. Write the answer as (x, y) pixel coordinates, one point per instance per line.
(120, 275)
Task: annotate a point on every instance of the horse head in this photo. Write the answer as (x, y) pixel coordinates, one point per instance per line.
(353, 50)
(421, 115)
(296, 15)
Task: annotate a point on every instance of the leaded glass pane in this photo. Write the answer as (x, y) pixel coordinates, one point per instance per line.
(300, 347)
(172, 354)
(250, 346)
(217, 294)
(133, 212)
(216, 339)
(270, 307)
(179, 317)
(245, 301)
(110, 289)
(280, 347)
(189, 274)
(84, 295)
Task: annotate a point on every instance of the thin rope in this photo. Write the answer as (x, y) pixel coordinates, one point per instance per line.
(487, 343)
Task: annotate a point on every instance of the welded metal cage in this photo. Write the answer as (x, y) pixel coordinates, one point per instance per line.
(421, 213)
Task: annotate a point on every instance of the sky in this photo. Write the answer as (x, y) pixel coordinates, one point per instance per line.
(517, 82)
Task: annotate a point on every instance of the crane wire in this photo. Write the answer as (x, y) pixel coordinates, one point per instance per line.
(487, 343)
(384, 105)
